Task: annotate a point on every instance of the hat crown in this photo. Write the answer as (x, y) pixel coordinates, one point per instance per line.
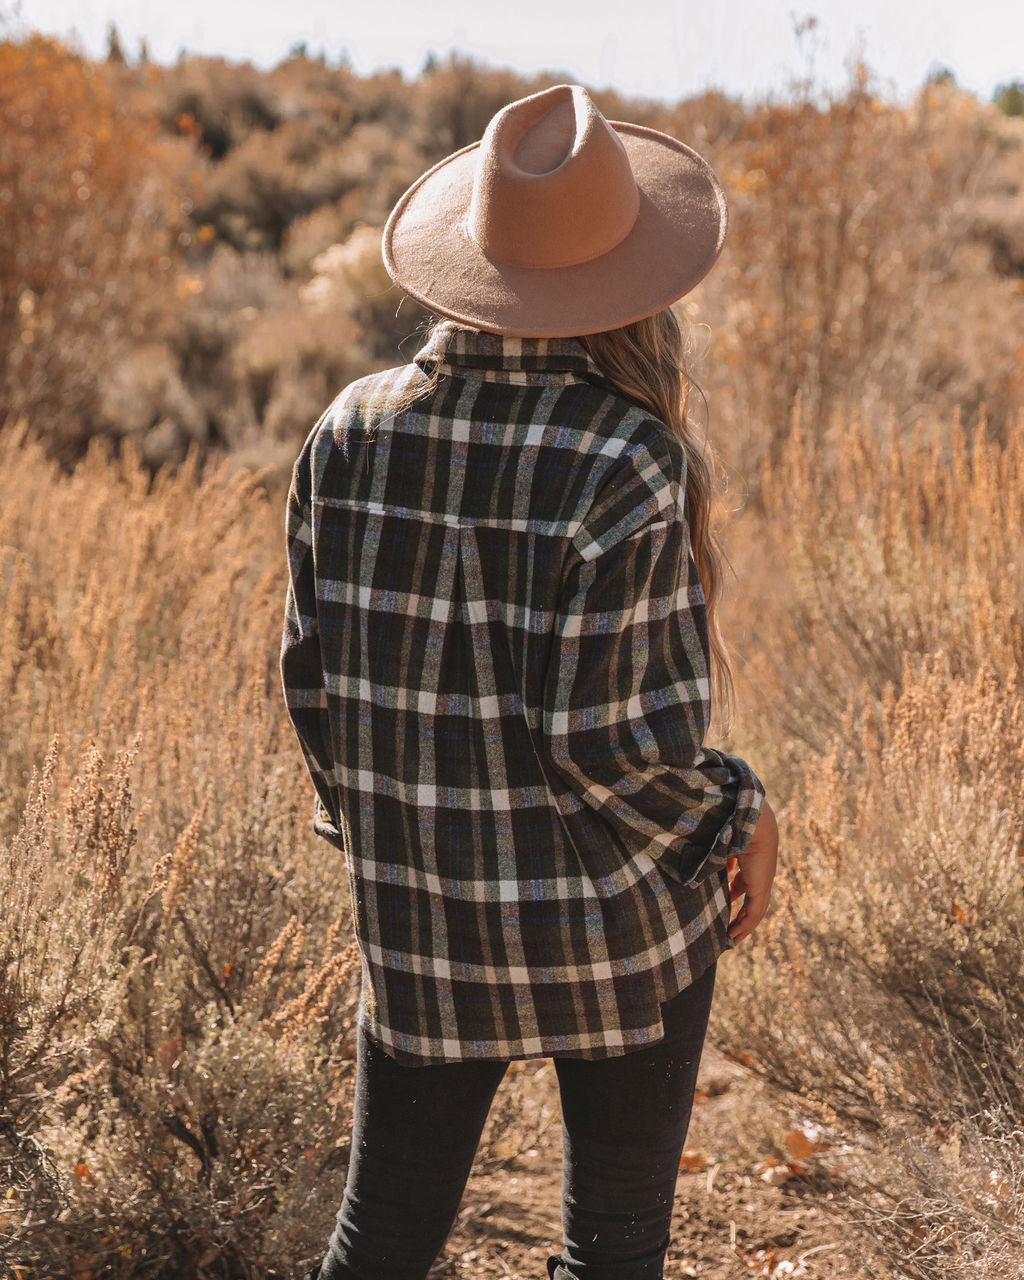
(553, 185)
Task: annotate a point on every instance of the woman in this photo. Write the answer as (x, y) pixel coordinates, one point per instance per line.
(497, 656)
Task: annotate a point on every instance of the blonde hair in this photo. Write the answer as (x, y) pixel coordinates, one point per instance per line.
(645, 362)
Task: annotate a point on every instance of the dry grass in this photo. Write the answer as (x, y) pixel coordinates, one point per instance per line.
(177, 978)
(885, 693)
(876, 547)
(177, 984)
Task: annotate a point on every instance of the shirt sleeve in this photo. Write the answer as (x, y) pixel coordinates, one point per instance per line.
(627, 694)
(301, 666)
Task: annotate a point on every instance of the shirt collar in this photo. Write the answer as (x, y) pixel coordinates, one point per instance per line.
(503, 359)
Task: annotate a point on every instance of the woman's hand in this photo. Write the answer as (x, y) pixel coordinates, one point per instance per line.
(753, 880)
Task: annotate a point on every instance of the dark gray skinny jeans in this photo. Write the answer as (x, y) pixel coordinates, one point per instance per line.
(624, 1121)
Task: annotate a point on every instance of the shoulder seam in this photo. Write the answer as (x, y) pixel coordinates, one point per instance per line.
(668, 494)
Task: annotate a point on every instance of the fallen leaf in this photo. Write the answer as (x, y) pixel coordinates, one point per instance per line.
(84, 1266)
(799, 1145)
(168, 1052)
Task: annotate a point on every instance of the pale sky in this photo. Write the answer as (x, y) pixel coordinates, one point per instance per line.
(657, 48)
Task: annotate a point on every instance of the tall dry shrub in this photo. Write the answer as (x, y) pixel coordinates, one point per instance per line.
(885, 694)
(839, 282)
(885, 987)
(876, 546)
(456, 98)
(91, 206)
(177, 981)
(227, 101)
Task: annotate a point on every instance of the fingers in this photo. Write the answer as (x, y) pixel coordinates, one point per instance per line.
(750, 916)
(754, 877)
(755, 873)
(738, 929)
(753, 909)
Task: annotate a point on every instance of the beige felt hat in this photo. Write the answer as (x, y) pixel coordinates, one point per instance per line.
(558, 222)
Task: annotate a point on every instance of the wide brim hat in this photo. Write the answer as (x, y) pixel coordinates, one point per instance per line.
(557, 222)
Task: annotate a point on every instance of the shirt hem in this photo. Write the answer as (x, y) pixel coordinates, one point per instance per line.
(716, 942)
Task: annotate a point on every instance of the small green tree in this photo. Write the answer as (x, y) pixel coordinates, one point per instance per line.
(1009, 97)
(115, 50)
(939, 73)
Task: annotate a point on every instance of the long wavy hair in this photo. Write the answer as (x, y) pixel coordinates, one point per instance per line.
(646, 362)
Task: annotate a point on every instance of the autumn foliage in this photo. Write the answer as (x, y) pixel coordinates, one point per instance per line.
(189, 270)
(92, 198)
(874, 254)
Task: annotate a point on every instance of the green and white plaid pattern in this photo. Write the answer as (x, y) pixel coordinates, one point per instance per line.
(495, 658)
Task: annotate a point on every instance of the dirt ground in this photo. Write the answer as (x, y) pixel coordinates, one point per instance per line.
(737, 1212)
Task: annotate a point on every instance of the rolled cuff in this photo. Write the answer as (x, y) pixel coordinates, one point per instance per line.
(734, 834)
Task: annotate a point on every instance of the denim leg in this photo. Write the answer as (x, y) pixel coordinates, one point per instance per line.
(624, 1123)
(415, 1132)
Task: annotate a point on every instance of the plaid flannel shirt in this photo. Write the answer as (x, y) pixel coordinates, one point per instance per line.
(495, 659)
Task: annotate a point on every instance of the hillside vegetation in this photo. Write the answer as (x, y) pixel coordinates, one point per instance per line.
(190, 253)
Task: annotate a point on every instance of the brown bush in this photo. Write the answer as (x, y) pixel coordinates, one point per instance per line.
(868, 265)
(885, 689)
(880, 548)
(843, 280)
(177, 990)
(457, 99)
(226, 101)
(91, 199)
